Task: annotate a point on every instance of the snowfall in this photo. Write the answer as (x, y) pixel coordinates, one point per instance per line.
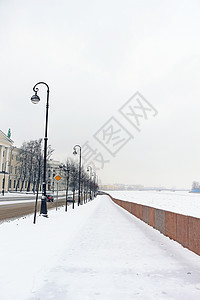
(98, 251)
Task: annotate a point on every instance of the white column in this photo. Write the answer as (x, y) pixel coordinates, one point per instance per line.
(7, 158)
(1, 158)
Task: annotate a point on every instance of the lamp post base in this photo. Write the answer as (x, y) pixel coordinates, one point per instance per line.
(46, 216)
(43, 208)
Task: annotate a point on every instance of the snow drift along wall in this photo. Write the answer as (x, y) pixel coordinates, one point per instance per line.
(183, 229)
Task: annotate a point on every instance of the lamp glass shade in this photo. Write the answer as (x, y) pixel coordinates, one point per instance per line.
(35, 99)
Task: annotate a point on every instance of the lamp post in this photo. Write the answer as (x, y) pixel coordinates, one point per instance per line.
(95, 185)
(37, 188)
(94, 175)
(97, 182)
(67, 187)
(79, 179)
(35, 99)
(89, 169)
(66, 170)
(86, 185)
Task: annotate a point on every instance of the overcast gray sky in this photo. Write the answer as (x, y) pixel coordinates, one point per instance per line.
(95, 55)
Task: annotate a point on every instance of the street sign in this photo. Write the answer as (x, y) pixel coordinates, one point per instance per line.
(57, 177)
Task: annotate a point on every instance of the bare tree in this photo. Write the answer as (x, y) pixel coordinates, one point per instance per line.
(30, 161)
(195, 185)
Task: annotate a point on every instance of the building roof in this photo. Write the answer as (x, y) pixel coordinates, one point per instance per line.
(5, 139)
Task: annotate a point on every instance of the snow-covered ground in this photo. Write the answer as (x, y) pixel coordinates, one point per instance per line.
(179, 202)
(96, 251)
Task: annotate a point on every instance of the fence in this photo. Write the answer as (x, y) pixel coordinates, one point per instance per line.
(183, 229)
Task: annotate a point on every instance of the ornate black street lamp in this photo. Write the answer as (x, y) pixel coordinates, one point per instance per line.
(35, 99)
(89, 169)
(79, 179)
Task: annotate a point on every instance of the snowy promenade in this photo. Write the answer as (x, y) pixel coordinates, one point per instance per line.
(97, 251)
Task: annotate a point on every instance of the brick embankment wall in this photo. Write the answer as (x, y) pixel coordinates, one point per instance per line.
(183, 229)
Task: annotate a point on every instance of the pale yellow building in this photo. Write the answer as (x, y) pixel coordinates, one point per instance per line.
(6, 146)
(11, 178)
(14, 166)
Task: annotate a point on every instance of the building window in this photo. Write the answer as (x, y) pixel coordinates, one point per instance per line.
(3, 153)
(11, 169)
(10, 182)
(15, 170)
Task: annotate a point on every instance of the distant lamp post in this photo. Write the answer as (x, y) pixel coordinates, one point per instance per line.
(94, 183)
(35, 100)
(66, 170)
(79, 179)
(89, 169)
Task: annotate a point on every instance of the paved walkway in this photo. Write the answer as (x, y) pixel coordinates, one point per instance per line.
(113, 255)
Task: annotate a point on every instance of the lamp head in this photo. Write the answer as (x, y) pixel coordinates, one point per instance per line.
(35, 99)
(75, 152)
